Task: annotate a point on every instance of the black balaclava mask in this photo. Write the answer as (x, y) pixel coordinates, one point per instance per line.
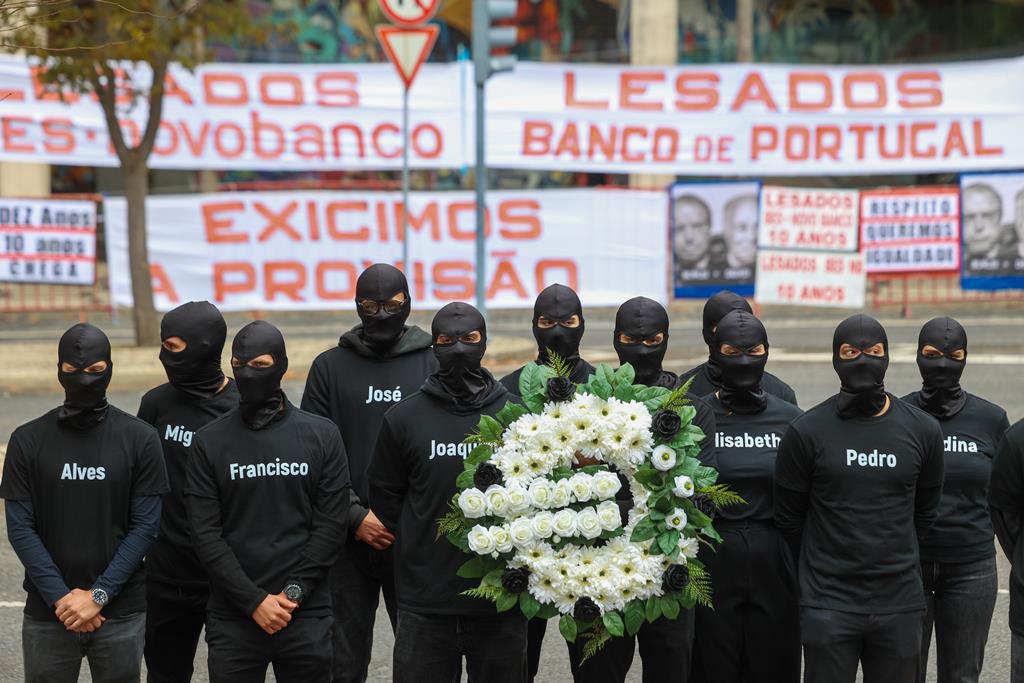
(558, 303)
(716, 308)
(460, 373)
(380, 282)
(85, 393)
(741, 390)
(863, 379)
(260, 388)
(196, 370)
(941, 394)
(642, 318)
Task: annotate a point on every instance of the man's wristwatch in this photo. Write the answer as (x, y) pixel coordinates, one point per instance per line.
(100, 597)
(294, 592)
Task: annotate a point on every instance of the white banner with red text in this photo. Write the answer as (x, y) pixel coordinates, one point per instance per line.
(50, 241)
(304, 250)
(910, 229)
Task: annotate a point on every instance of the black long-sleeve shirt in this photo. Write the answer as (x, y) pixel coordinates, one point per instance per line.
(1006, 501)
(267, 507)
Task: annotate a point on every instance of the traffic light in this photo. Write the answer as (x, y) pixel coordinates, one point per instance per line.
(487, 36)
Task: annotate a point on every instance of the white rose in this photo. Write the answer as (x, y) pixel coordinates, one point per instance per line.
(605, 485)
(561, 494)
(497, 500)
(472, 503)
(688, 547)
(663, 458)
(683, 486)
(518, 499)
(579, 484)
(588, 523)
(676, 519)
(543, 524)
(540, 493)
(521, 531)
(608, 513)
(565, 523)
(502, 538)
(481, 541)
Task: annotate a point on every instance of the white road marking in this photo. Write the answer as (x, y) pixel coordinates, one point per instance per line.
(7, 603)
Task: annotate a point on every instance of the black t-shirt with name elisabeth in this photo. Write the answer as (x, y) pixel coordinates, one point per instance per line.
(176, 417)
(963, 530)
(746, 447)
(80, 484)
(861, 475)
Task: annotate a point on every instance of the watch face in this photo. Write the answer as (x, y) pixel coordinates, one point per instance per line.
(293, 593)
(99, 596)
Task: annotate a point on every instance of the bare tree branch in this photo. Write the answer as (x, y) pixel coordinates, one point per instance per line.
(108, 102)
(156, 106)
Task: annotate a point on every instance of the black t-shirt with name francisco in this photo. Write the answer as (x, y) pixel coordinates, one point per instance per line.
(177, 417)
(80, 484)
(963, 530)
(703, 385)
(861, 475)
(746, 446)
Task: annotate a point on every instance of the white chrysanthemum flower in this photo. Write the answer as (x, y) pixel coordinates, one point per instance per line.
(537, 465)
(502, 538)
(521, 531)
(634, 412)
(683, 486)
(565, 523)
(543, 524)
(580, 485)
(497, 500)
(540, 493)
(609, 516)
(589, 524)
(561, 494)
(605, 485)
(688, 547)
(663, 458)
(481, 541)
(472, 503)
(542, 587)
(676, 519)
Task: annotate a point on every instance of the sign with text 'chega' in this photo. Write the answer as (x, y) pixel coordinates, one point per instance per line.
(49, 241)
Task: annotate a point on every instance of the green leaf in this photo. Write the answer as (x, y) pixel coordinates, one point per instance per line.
(535, 403)
(624, 392)
(464, 480)
(653, 609)
(493, 577)
(547, 611)
(528, 605)
(567, 627)
(634, 613)
(669, 607)
(664, 503)
(657, 515)
(704, 477)
(510, 413)
(597, 638)
(507, 601)
(490, 429)
(480, 454)
(712, 533)
(484, 593)
(649, 477)
(625, 375)
(472, 569)
(668, 540)
(528, 379)
(605, 372)
(613, 622)
(722, 496)
(600, 387)
(558, 364)
(643, 531)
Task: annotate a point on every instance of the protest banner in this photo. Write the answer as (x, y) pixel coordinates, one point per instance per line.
(910, 229)
(992, 216)
(49, 241)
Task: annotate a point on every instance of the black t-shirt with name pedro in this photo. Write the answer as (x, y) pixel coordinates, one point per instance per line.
(869, 481)
(418, 457)
(963, 530)
(746, 448)
(703, 384)
(80, 483)
(266, 507)
(177, 417)
(1006, 498)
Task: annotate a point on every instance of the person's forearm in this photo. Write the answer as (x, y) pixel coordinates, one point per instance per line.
(28, 546)
(226, 574)
(790, 515)
(357, 512)
(143, 530)
(325, 539)
(926, 509)
(1007, 526)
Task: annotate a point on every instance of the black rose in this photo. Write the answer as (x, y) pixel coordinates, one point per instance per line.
(666, 424)
(703, 502)
(675, 578)
(561, 389)
(586, 610)
(486, 475)
(515, 580)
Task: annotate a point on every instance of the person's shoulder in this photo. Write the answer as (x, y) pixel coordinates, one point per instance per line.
(512, 376)
(824, 412)
(43, 424)
(692, 372)
(330, 356)
(985, 408)
(128, 422)
(915, 415)
(783, 407)
(1015, 434)
(313, 421)
(217, 425)
(158, 394)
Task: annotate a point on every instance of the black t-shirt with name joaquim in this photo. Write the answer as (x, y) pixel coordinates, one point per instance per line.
(81, 484)
(963, 530)
(861, 476)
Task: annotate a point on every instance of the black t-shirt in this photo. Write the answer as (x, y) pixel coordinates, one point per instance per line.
(703, 384)
(963, 530)
(746, 446)
(267, 506)
(80, 484)
(177, 417)
(861, 476)
(580, 374)
(1006, 496)
(418, 457)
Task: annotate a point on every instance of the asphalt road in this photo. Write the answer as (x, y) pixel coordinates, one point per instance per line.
(800, 354)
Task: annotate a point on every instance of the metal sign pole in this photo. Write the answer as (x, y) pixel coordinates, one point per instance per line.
(405, 183)
(481, 204)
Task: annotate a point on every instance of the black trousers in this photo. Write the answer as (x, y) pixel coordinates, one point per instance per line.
(535, 630)
(666, 648)
(240, 651)
(174, 619)
(887, 646)
(753, 632)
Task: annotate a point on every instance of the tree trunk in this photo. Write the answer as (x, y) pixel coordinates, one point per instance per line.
(144, 315)
(745, 30)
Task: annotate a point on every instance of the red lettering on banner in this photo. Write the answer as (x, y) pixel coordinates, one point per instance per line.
(955, 141)
(571, 101)
(291, 286)
(429, 216)
(173, 89)
(870, 78)
(537, 138)
(59, 131)
(754, 89)
(224, 282)
(606, 145)
(860, 131)
(219, 142)
(162, 284)
(928, 152)
(361, 234)
(831, 147)
(506, 277)
(277, 221)
(291, 83)
(801, 78)
(356, 131)
(629, 132)
(665, 147)
(466, 209)
(901, 143)
(567, 267)
(323, 269)
(919, 89)
(170, 133)
(569, 143)
(196, 146)
(418, 135)
(453, 280)
(378, 148)
(529, 219)
(632, 85)
(217, 229)
(763, 139)
(979, 145)
(315, 137)
(13, 133)
(49, 92)
(337, 89)
(260, 132)
(234, 92)
(693, 97)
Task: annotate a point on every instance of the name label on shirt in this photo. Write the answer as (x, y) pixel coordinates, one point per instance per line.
(374, 395)
(872, 459)
(73, 472)
(745, 440)
(268, 469)
(180, 434)
(450, 450)
(953, 444)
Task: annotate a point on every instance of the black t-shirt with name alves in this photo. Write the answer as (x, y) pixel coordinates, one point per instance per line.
(963, 530)
(746, 446)
(862, 477)
(177, 417)
(80, 484)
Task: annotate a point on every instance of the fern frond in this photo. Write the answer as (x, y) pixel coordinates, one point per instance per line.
(678, 398)
(722, 496)
(699, 587)
(558, 364)
(452, 524)
(484, 592)
(597, 638)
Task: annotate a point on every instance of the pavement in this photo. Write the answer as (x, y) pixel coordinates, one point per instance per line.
(800, 354)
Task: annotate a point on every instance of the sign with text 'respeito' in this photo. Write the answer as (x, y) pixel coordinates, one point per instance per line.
(50, 241)
(910, 229)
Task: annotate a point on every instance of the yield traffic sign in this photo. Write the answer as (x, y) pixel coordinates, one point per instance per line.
(407, 48)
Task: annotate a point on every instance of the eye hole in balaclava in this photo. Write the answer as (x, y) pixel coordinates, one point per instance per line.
(641, 337)
(194, 370)
(942, 358)
(861, 373)
(259, 387)
(740, 350)
(460, 341)
(86, 349)
(376, 290)
(560, 305)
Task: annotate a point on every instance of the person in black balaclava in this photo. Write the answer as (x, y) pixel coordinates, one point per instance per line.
(958, 561)
(82, 487)
(419, 455)
(857, 485)
(353, 385)
(1006, 504)
(752, 634)
(267, 493)
(707, 377)
(192, 337)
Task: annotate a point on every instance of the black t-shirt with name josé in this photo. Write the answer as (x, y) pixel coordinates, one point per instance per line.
(746, 446)
(861, 475)
(176, 417)
(703, 385)
(81, 484)
(963, 530)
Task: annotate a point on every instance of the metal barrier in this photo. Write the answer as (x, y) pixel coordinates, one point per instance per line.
(906, 290)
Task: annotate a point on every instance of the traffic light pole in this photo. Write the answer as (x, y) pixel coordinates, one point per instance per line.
(405, 183)
(481, 203)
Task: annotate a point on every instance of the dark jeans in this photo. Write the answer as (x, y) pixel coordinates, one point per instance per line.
(240, 651)
(887, 646)
(1016, 658)
(54, 654)
(961, 598)
(666, 647)
(429, 648)
(174, 620)
(357, 580)
(535, 631)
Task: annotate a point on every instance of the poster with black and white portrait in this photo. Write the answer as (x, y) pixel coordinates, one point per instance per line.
(714, 237)
(992, 229)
